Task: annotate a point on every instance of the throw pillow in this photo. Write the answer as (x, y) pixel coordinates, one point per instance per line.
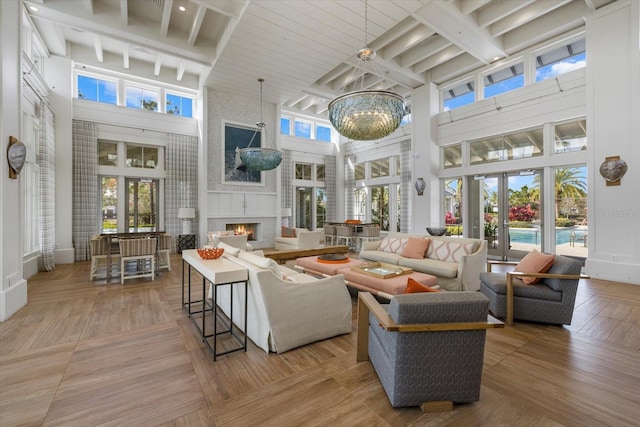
(534, 262)
(288, 232)
(415, 248)
(228, 249)
(262, 262)
(414, 287)
(448, 251)
(392, 245)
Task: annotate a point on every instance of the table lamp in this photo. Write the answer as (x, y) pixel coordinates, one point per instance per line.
(186, 215)
(285, 213)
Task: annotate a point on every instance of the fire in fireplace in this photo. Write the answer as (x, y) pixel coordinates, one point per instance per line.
(249, 229)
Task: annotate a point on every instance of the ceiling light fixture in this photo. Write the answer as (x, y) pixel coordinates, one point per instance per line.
(367, 114)
(182, 8)
(260, 158)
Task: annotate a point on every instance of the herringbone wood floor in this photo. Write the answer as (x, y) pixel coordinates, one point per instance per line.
(86, 353)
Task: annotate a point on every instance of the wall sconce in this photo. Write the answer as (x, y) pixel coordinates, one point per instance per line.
(186, 215)
(420, 186)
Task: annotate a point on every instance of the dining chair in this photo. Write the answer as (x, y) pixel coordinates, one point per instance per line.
(141, 250)
(164, 251)
(100, 252)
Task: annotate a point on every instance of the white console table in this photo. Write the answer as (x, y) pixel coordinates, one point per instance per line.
(218, 272)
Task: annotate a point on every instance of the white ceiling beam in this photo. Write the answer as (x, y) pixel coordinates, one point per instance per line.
(500, 10)
(409, 40)
(293, 101)
(334, 74)
(88, 5)
(449, 22)
(97, 45)
(469, 6)
(440, 57)
(197, 24)
(166, 16)
(566, 18)
(418, 54)
(230, 8)
(109, 25)
(124, 12)
(125, 57)
(398, 32)
(180, 71)
(527, 14)
(157, 65)
(456, 67)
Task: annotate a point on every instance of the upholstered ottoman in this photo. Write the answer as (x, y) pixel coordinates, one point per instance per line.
(393, 285)
(312, 265)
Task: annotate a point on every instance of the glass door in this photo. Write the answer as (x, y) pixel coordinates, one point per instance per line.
(304, 208)
(509, 205)
(142, 204)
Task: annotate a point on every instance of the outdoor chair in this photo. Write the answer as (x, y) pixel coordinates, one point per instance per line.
(427, 348)
(550, 300)
(143, 251)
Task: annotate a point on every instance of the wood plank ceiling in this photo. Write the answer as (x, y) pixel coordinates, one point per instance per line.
(304, 49)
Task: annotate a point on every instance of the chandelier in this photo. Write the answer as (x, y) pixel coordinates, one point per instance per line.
(260, 158)
(366, 114)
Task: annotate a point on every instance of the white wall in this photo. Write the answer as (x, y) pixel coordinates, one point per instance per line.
(613, 129)
(13, 287)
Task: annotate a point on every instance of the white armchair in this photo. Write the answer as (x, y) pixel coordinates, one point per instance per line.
(239, 241)
(304, 239)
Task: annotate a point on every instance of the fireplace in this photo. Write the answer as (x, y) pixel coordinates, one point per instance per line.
(251, 229)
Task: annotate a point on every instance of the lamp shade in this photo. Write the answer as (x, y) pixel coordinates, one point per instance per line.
(286, 212)
(186, 213)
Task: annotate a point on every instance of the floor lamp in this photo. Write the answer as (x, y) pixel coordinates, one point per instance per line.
(186, 215)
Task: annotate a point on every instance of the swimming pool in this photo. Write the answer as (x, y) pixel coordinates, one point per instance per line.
(532, 236)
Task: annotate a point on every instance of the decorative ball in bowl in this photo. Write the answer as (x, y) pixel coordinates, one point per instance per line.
(437, 231)
(210, 253)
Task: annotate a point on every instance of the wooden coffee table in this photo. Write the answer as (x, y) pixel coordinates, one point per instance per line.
(283, 256)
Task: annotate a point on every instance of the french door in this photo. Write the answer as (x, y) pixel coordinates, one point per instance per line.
(506, 210)
(141, 209)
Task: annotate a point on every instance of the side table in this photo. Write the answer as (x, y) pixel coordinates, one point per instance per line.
(185, 241)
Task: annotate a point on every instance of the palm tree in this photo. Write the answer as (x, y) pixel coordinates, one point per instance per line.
(570, 184)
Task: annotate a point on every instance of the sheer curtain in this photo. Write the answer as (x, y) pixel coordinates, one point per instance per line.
(330, 182)
(47, 185)
(406, 186)
(287, 190)
(85, 186)
(181, 184)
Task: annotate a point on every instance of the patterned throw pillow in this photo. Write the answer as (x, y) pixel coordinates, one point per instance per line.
(288, 232)
(392, 245)
(448, 251)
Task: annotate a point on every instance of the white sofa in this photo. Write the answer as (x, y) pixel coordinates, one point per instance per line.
(286, 308)
(304, 239)
(456, 262)
(239, 241)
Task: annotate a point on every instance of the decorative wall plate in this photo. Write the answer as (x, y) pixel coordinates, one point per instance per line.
(16, 156)
(613, 169)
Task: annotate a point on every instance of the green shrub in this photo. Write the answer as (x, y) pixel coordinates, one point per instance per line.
(565, 222)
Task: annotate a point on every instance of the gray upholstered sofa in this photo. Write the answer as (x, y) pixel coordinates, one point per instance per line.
(456, 262)
(427, 348)
(551, 300)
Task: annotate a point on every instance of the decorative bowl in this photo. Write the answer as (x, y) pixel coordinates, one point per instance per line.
(437, 231)
(210, 253)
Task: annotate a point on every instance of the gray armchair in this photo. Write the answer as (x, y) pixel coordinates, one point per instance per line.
(427, 348)
(551, 300)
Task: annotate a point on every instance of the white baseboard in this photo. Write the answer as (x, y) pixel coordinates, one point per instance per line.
(613, 271)
(12, 299)
(64, 256)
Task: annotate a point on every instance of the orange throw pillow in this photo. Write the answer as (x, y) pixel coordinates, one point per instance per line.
(414, 287)
(534, 262)
(288, 232)
(415, 248)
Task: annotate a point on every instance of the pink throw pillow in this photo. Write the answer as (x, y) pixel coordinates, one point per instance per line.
(534, 262)
(415, 248)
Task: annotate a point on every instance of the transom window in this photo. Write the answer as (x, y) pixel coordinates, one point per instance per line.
(138, 97)
(94, 89)
(459, 95)
(561, 60)
(142, 157)
(507, 147)
(306, 128)
(504, 80)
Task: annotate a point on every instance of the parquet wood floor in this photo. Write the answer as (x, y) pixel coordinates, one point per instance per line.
(94, 354)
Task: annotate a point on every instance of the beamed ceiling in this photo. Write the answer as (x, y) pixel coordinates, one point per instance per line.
(304, 49)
